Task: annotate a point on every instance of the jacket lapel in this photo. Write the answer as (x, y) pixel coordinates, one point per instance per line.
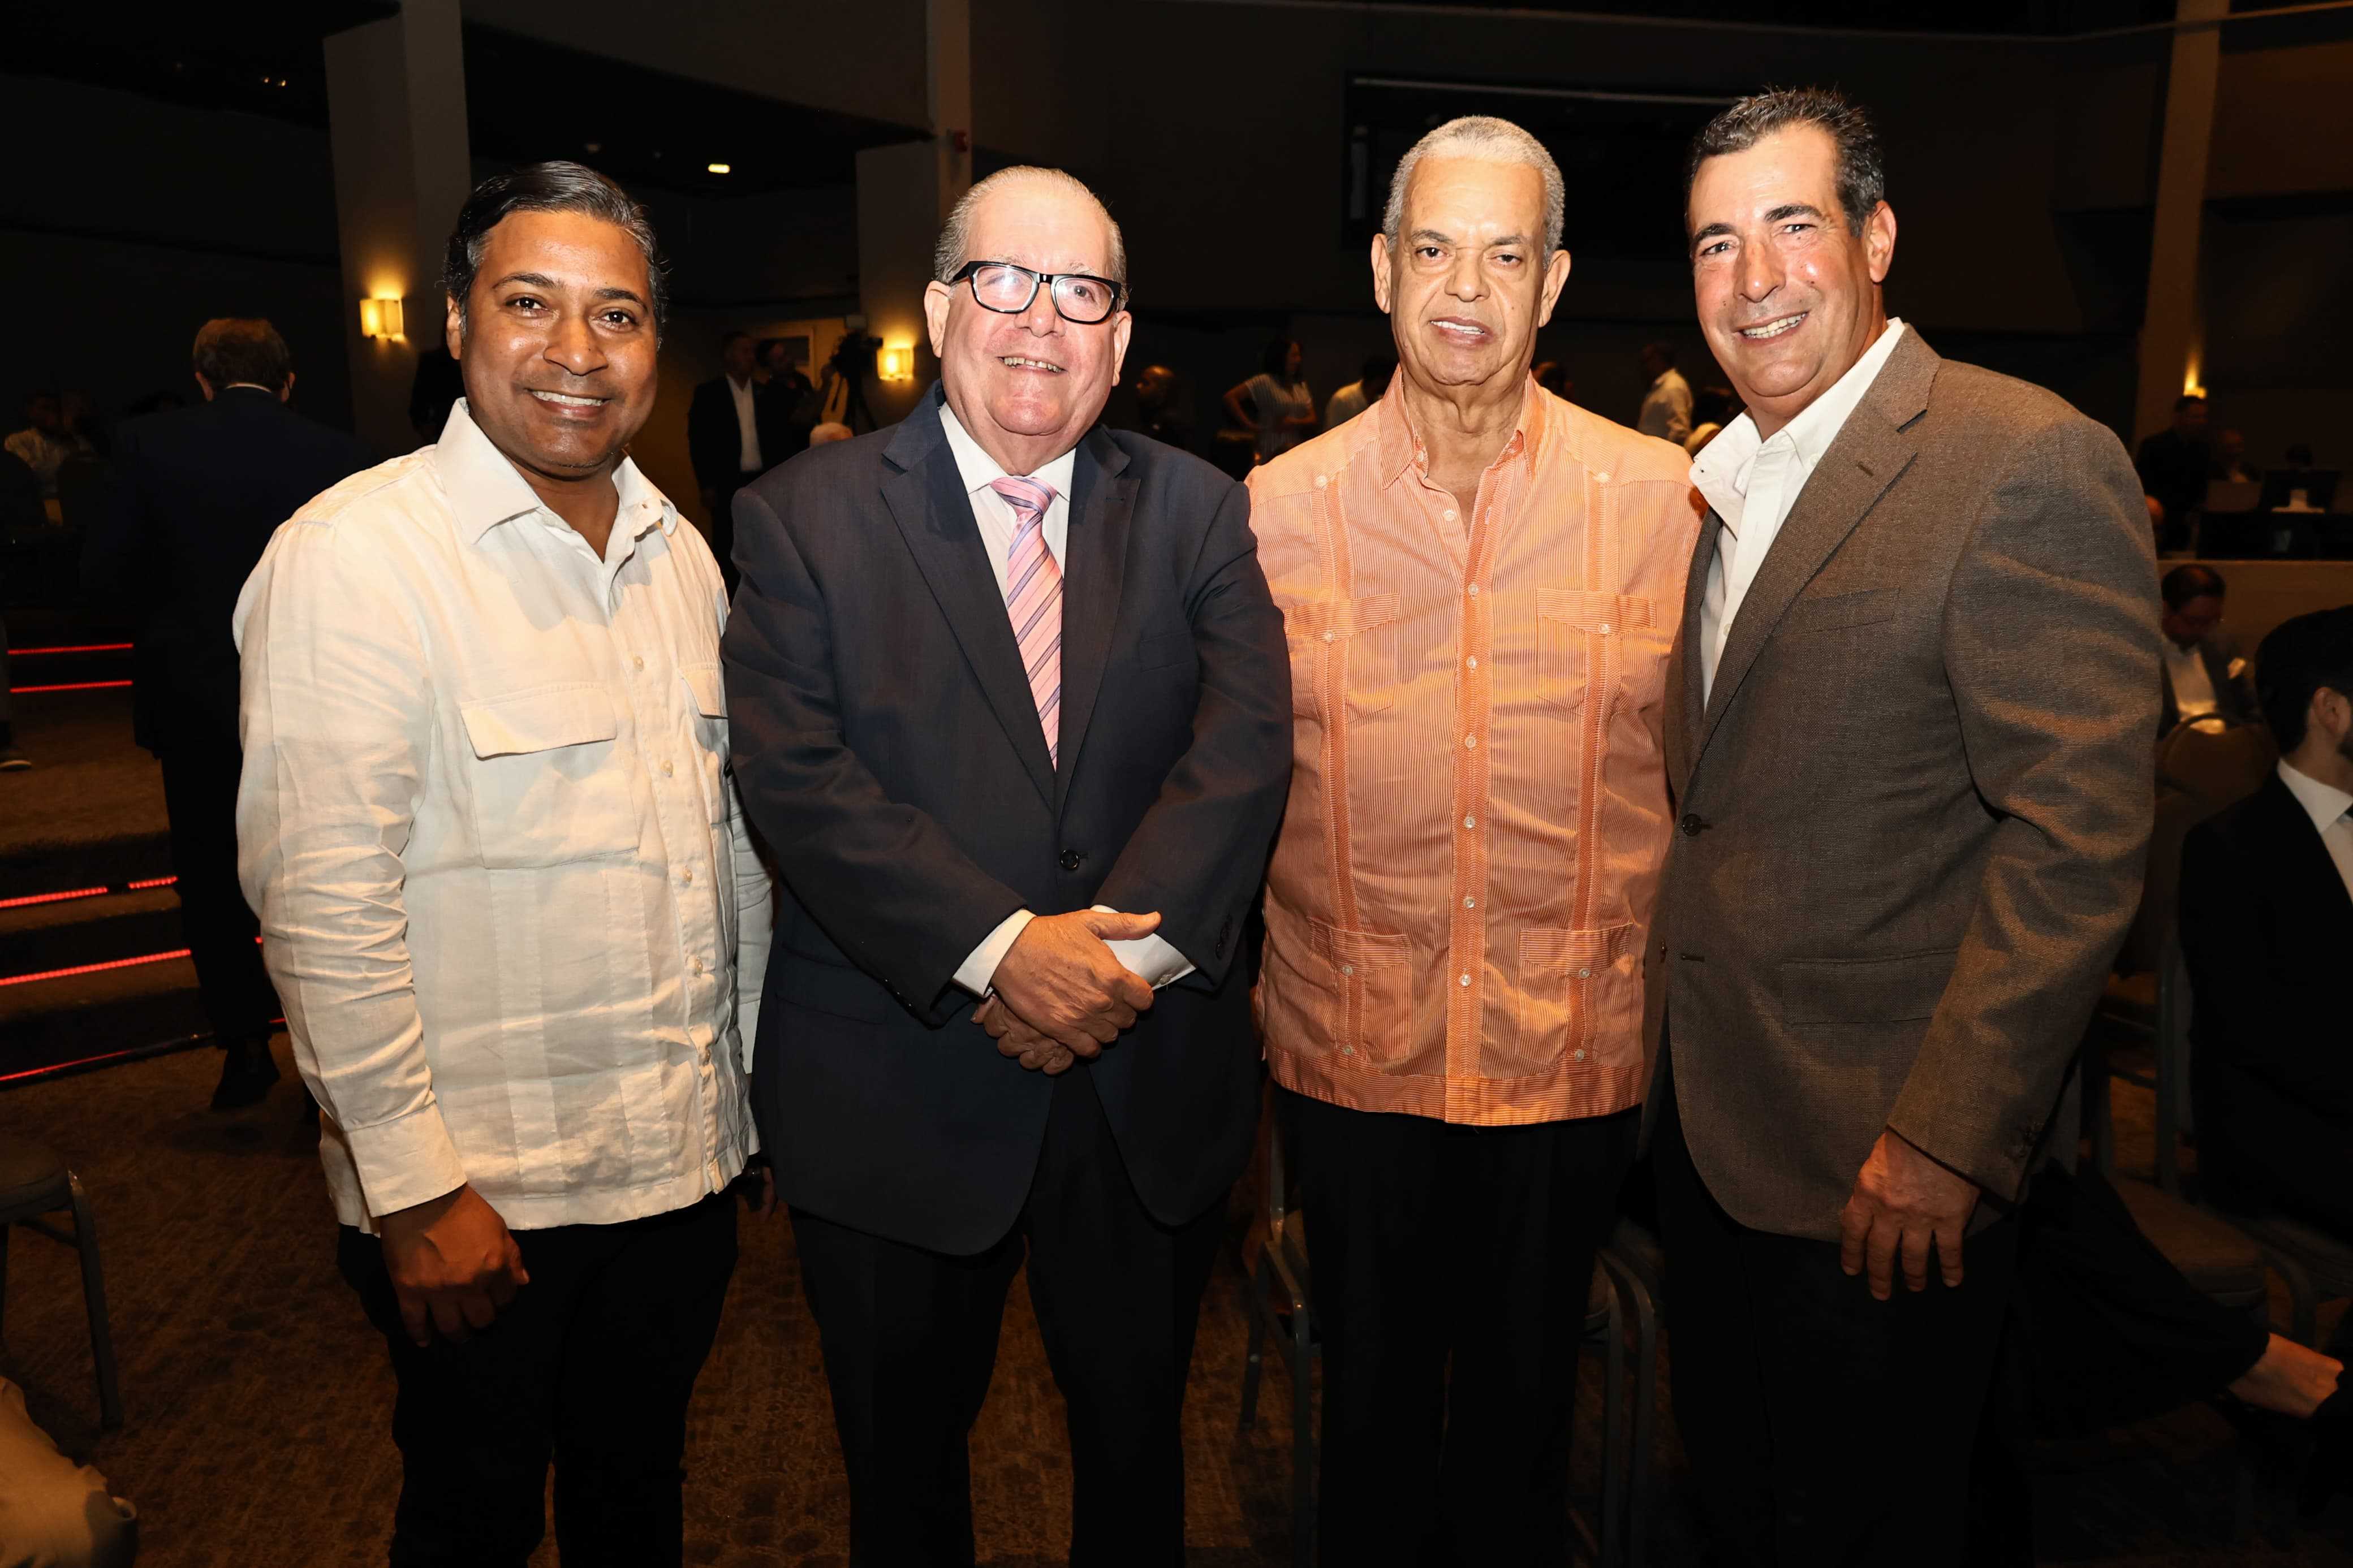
(1685, 700)
(1865, 458)
(2305, 865)
(1102, 500)
(925, 494)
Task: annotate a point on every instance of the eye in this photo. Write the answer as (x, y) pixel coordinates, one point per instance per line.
(1429, 252)
(1508, 257)
(1796, 227)
(619, 318)
(525, 302)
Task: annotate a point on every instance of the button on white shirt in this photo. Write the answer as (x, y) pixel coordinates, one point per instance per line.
(747, 425)
(1153, 957)
(2193, 687)
(518, 948)
(2326, 805)
(1753, 483)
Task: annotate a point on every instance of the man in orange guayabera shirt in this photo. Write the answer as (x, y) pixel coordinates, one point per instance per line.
(1479, 583)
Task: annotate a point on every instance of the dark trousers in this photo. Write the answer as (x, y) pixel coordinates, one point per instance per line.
(200, 770)
(1824, 1428)
(910, 1342)
(1452, 1267)
(592, 1366)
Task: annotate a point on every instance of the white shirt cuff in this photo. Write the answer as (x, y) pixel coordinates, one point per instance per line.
(1152, 957)
(979, 970)
(405, 1161)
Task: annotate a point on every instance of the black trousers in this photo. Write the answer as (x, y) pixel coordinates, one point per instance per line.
(200, 770)
(592, 1366)
(1452, 1267)
(910, 1342)
(1824, 1428)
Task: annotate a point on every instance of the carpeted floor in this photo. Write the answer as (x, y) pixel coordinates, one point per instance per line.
(258, 1400)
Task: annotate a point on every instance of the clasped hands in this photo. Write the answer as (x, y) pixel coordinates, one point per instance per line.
(1060, 994)
(1905, 1204)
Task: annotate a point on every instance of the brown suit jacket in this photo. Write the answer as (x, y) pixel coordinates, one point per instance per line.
(1912, 815)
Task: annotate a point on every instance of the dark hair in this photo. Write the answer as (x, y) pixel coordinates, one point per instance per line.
(2187, 398)
(728, 339)
(2299, 657)
(2184, 583)
(1861, 171)
(230, 349)
(1276, 361)
(556, 186)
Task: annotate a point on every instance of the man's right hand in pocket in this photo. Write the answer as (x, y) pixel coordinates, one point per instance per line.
(453, 1264)
(1059, 977)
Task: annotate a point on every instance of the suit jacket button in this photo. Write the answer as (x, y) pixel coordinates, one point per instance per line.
(1072, 859)
(1692, 825)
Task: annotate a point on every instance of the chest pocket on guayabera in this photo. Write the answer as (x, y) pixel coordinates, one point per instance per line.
(1342, 648)
(546, 788)
(1606, 644)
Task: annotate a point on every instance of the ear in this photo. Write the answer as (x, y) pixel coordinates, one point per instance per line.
(1123, 327)
(1556, 274)
(1381, 273)
(453, 333)
(1879, 241)
(285, 393)
(203, 387)
(937, 298)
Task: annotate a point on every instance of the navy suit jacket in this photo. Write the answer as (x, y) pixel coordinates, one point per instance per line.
(197, 492)
(888, 752)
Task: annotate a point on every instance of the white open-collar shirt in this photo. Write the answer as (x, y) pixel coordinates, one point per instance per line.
(506, 891)
(1753, 482)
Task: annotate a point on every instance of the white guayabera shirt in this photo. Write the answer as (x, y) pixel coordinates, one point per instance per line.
(505, 887)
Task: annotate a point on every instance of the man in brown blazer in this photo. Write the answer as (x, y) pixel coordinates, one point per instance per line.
(1907, 739)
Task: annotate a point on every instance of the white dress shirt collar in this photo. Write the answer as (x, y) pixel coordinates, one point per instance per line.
(979, 470)
(485, 489)
(2325, 804)
(1722, 470)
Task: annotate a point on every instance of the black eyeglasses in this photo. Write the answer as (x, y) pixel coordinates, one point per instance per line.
(1008, 290)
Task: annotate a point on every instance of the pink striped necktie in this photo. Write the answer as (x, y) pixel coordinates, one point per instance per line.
(1033, 599)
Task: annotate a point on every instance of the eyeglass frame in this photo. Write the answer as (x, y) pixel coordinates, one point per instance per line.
(1046, 280)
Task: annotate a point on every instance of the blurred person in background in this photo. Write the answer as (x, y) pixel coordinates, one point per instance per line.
(2173, 465)
(2202, 670)
(1372, 381)
(723, 431)
(197, 494)
(44, 444)
(1667, 406)
(788, 406)
(1274, 406)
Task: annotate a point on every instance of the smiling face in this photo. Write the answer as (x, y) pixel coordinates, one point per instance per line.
(1468, 283)
(558, 343)
(1027, 386)
(1787, 292)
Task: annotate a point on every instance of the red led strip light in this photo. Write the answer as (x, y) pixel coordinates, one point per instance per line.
(95, 968)
(86, 647)
(30, 898)
(68, 686)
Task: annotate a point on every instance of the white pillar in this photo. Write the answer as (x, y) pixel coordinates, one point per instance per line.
(904, 194)
(2171, 333)
(396, 127)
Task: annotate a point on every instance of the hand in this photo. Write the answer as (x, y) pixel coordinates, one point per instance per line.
(1061, 979)
(453, 1264)
(1903, 1203)
(1016, 1039)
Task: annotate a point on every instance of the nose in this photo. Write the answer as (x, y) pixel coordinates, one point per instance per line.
(1760, 272)
(574, 346)
(1463, 279)
(1041, 318)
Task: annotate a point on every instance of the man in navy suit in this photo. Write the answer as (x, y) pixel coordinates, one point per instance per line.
(197, 494)
(1010, 706)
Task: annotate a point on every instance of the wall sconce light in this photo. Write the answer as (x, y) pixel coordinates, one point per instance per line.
(897, 364)
(380, 318)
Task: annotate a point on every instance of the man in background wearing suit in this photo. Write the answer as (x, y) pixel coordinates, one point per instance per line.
(197, 494)
(996, 673)
(2266, 923)
(2200, 668)
(724, 440)
(1907, 736)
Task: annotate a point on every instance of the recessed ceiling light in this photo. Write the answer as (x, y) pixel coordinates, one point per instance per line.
(719, 168)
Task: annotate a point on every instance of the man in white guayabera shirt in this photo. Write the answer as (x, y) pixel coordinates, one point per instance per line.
(506, 893)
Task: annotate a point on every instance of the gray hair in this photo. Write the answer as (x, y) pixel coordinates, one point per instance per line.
(949, 257)
(1861, 170)
(1490, 141)
(558, 185)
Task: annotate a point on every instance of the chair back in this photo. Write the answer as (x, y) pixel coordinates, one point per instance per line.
(2222, 763)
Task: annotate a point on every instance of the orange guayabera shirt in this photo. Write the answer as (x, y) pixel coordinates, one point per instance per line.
(1456, 910)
